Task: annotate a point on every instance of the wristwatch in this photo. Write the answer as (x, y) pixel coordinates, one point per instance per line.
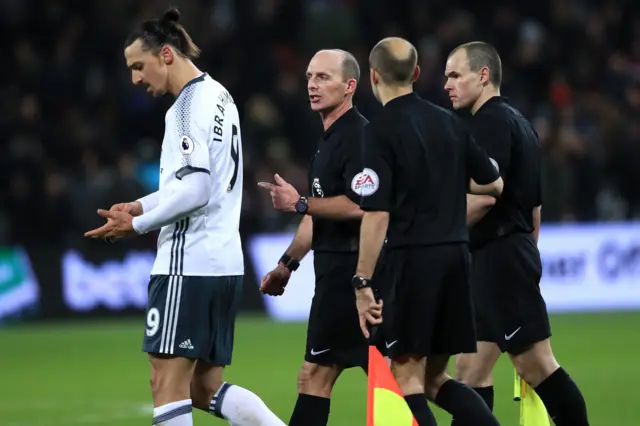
(358, 282)
(302, 205)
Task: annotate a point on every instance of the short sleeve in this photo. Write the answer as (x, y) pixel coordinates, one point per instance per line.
(192, 133)
(480, 167)
(374, 183)
(493, 134)
(352, 153)
(539, 194)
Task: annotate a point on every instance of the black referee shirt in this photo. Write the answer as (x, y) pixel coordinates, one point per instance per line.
(335, 170)
(422, 157)
(511, 141)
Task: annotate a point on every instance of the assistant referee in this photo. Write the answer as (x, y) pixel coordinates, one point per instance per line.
(511, 314)
(423, 161)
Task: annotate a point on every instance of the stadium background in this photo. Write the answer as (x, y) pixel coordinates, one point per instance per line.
(77, 136)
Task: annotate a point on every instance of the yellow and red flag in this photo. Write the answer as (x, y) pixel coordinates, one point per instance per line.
(532, 409)
(385, 404)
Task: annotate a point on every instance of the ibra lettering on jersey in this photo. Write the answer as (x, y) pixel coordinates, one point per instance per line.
(223, 100)
(365, 183)
(114, 284)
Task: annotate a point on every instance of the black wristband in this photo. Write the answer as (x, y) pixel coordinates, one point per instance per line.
(290, 263)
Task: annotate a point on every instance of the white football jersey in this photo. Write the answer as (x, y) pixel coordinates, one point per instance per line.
(202, 135)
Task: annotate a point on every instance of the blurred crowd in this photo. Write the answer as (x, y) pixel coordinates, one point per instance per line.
(77, 136)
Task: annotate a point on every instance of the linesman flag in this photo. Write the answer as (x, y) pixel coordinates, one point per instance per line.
(532, 409)
(385, 404)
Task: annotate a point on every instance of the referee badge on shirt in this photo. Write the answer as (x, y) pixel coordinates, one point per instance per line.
(365, 183)
(186, 145)
(316, 188)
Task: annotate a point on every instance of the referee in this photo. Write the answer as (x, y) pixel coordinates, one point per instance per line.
(511, 314)
(421, 159)
(330, 226)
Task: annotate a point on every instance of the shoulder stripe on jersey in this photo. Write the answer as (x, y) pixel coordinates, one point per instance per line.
(184, 105)
(176, 261)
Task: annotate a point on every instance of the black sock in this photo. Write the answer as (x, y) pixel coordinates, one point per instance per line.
(486, 393)
(419, 406)
(464, 404)
(563, 400)
(310, 411)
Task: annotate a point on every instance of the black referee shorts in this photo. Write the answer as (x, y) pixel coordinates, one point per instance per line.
(333, 333)
(505, 281)
(427, 302)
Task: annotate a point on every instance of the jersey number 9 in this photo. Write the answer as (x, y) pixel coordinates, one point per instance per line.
(235, 156)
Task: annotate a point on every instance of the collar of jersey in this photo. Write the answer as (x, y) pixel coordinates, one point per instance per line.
(491, 101)
(344, 118)
(401, 100)
(195, 80)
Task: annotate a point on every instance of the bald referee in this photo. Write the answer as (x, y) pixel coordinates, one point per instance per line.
(330, 226)
(420, 159)
(511, 314)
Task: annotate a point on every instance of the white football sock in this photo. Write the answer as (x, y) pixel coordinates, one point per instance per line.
(241, 407)
(173, 414)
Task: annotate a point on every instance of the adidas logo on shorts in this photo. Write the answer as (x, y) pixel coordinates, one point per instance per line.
(186, 344)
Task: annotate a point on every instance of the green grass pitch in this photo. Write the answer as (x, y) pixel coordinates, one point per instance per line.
(95, 373)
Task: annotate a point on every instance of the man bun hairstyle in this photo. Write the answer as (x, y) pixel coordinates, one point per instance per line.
(171, 16)
(156, 33)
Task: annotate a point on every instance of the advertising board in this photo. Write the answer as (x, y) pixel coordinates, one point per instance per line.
(585, 268)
